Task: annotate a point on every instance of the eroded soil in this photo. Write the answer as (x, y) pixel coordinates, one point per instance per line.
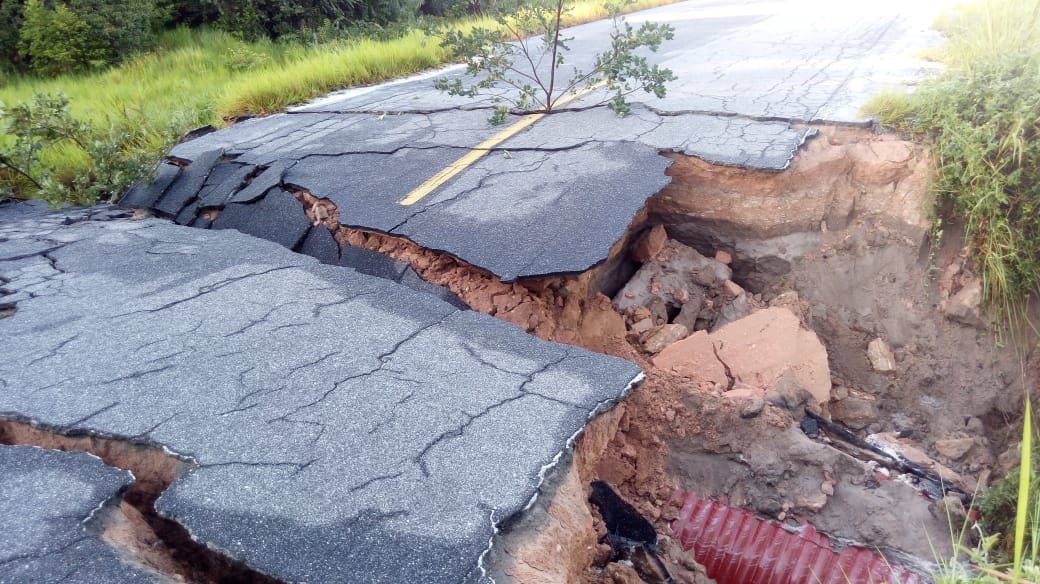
(840, 241)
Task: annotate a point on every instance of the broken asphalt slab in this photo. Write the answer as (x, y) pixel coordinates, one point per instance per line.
(335, 420)
(555, 197)
(49, 531)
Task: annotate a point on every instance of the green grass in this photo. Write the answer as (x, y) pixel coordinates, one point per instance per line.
(208, 77)
(1008, 548)
(982, 118)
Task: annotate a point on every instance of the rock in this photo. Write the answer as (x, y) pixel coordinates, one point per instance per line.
(880, 355)
(752, 407)
(733, 311)
(856, 412)
(812, 502)
(641, 326)
(950, 509)
(649, 244)
(732, 288)
(658, 339)
(758, 349)
(669, 275)
(705, 277)
(688, 313)
(954, 448)
(641, 313)
(723, 257)
(839, 392)
(658, 310)
(618, 573)
(791, 301)
(827, 488)
(787, 393)
(963, 307)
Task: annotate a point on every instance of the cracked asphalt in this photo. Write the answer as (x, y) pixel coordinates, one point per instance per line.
(48, 500)
(556, 196)
(336, 421)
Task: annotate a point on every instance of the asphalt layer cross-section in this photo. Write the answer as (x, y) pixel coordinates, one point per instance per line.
(339, 423)
(556, 196)
(48, 531)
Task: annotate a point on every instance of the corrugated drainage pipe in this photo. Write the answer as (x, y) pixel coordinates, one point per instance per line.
(737, 547)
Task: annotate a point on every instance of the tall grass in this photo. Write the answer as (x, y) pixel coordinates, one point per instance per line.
(982, 117)
(324, 69)
(1022, 515)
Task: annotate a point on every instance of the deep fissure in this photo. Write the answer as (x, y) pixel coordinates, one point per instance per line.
(556, 308)
(132, 526)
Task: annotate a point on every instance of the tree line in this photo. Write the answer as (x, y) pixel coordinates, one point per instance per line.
(50, 37)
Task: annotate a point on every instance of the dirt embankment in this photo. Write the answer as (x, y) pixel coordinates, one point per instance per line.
(853, 316)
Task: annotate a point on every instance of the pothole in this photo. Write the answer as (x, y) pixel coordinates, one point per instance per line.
(133, 527)
(838, 243)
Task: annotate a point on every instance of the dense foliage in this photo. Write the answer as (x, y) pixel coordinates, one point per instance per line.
(112, 158)
(52, 37)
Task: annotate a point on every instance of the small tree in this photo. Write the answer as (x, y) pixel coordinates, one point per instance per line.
(525, 52)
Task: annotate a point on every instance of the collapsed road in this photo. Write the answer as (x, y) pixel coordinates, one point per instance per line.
(363, 418)
(330, 419)
(555, 197)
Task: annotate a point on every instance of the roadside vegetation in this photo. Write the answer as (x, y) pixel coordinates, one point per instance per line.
(134, 75)
(982, 118)
(1007, 535)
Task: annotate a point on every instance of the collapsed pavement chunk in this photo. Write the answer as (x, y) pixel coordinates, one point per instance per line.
(335, 419)
(48, 504)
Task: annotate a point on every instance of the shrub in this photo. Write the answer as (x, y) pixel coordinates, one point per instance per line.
(111, 159)
(83, 34)
(10, 13)
(55, 40)
(981, 117)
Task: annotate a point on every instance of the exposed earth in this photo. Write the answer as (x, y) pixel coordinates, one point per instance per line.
(711, 342)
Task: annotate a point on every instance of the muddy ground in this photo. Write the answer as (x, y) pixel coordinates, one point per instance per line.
(839, 243)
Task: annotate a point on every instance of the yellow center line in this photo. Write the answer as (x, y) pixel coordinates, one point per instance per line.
(481, 150)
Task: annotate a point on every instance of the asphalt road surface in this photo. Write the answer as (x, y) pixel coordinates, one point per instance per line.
(553, 196)
(337, 423)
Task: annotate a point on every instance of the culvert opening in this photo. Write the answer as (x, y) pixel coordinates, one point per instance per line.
(133, 527)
